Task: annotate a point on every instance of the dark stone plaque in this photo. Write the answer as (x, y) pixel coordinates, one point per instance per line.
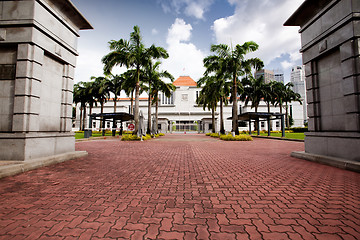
(7, 71)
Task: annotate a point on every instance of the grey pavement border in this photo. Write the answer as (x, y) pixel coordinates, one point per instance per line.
(332, 161)
(10, 168)
(277, 138)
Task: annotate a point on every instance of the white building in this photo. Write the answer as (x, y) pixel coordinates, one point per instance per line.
(181, 113)
(297, 77)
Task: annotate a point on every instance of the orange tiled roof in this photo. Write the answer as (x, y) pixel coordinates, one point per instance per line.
(184, 81)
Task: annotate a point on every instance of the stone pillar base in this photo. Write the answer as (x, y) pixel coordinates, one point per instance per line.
(10, 168)
(343, 145)
(331, 161)
(28, 146)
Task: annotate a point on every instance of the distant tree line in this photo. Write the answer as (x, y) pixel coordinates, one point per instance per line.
(143, 74)
(229, 78)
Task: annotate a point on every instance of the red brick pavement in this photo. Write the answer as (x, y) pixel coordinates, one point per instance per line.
(182, 187)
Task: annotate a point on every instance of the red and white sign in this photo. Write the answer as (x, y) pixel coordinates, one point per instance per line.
(131, 127)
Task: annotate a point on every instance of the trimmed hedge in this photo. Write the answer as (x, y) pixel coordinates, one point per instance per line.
(241, 137)
(299, 129)
(215, 135)
(130, 137)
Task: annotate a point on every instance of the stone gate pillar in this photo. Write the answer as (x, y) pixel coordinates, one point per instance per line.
(330, 38)
(37, 59)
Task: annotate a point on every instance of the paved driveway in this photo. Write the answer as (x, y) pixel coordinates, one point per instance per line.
(182, 187)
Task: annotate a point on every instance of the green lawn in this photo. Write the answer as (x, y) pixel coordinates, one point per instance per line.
(81, 135)
(287, 135)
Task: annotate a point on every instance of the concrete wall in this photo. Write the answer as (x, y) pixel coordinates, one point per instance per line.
(39, 38)
(331, 54)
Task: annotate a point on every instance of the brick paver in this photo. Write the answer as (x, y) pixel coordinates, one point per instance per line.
(182, 187)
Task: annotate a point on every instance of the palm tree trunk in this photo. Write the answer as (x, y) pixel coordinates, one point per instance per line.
(234, 109)
(132, 102)
(137, 95)
(287, 115)
(115, 103)
(156, 116)
(269, 122)
(81, 118)
(149, 115)
(90, 112)
(101, 111)
(114, 121)
(213, 118)
(222, 130)
(84, 118)
(257, 120)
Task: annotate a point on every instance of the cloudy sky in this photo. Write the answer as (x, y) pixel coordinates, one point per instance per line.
(187, 28)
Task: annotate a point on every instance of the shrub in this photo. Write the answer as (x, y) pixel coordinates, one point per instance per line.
(161, 134)
(299, 129)
(208, 134)
(130, 137)
(240, 137)
(147, 137)
(215, 135)
(79, 131)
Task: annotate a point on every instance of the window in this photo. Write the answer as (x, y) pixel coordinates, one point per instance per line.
(184, 97)
(197, 95)
(262, 124)
(277, 124)
(108, 124)
(166, 100)
(94, 124)
(159, 126)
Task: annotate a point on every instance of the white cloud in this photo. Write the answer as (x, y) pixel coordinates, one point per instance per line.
(179, 31)
(286, 64)
(192, 8)
(185, 58)
(88, 64)
(154, 31)
(261, 21)
(195, 9)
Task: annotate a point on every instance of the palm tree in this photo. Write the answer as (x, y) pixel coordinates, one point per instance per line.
(115, 86)
(209, 96)
(80, 96)
(269, 96)
(279, 92)
(254, 91)
(91, 100)
(132, 54)
(160, 86)
(290, 96)
(223, 87)
(153, 77)
(232, 62)
(101, 92)
(129, 86)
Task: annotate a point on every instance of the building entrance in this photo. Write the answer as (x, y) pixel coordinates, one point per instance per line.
(181, 126)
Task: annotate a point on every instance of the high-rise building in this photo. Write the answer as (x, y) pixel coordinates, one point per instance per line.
(279, 75)
(268, 75)
(297, 77)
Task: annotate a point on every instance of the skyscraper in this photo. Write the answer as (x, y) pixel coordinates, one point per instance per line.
(279, 75)
(297, 77)
(268, 75)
